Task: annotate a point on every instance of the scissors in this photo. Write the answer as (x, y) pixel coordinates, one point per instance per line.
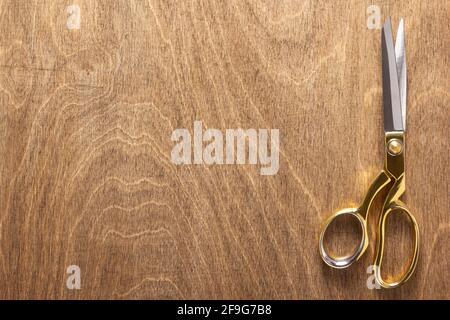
(393, 175)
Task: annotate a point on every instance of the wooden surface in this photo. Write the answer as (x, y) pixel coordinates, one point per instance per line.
(87, 116)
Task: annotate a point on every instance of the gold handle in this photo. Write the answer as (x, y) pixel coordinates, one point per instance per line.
(361, 215)
(393, 204)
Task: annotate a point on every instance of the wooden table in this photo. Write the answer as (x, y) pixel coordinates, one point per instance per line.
(87, 111)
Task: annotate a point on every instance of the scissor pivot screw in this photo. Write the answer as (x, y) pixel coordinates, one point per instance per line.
(395, 147)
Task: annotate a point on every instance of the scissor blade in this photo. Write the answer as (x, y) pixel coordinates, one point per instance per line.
(400, 58)
(391, 93)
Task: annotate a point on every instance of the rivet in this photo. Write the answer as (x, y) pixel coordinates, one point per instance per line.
(395, 147)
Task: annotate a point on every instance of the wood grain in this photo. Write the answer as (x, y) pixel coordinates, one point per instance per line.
(87, 116)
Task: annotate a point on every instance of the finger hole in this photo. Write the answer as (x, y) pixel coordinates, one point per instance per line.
(343, 239)
(399, 244)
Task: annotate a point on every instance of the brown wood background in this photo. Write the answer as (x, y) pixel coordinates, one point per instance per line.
(87, 115)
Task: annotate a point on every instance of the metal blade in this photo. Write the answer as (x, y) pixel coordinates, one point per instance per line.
(391, 93)
(400, 58)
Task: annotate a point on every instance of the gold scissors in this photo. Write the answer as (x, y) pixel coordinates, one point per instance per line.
(393, 175)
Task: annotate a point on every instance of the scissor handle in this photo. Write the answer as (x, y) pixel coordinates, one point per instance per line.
(360, 214)
(389, 208)
(344, 262)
